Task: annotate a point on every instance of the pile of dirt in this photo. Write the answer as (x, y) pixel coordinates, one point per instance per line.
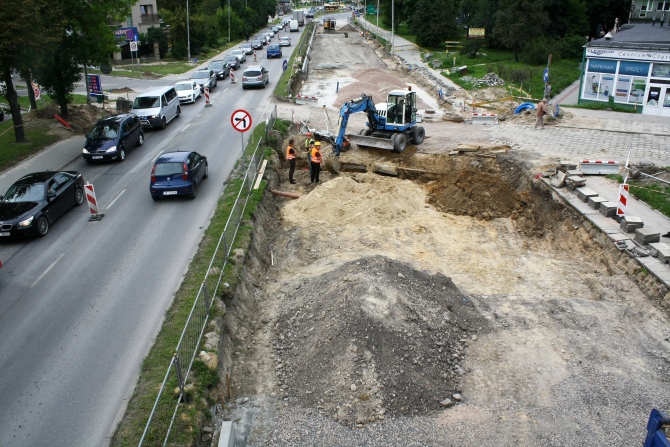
(474, 193)
(80, 117)
(374, 338)
(373, 82)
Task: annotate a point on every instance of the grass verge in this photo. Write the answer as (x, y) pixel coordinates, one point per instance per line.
(282, 88)
(186, 428)
(655, 196)
(13, 153)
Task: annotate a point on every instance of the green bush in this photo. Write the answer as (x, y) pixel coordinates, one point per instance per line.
(471, 47)
(518, 75)
(537, 51)
(570, 47)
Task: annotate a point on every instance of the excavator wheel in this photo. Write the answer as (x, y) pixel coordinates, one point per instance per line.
(365, 132)
(418, 135)
(399, 142)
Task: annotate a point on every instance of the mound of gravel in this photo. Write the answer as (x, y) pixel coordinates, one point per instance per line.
(374, 338)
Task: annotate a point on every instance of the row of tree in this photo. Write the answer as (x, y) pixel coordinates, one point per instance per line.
(517, 25)
(50, 41)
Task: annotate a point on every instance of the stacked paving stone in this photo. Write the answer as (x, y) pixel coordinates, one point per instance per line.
(594, 202)
(584, 193)
(631, 223)
(646, 236)
(607, 209)
(663, 251)
(575, 181)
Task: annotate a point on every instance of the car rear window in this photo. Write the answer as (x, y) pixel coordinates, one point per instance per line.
(172, 168)
(252, 73)
(273, 47)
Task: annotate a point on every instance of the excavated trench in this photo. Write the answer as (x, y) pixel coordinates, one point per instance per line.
(373, 299)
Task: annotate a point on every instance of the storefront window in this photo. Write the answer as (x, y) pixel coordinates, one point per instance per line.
(660, 71)
(638, 87)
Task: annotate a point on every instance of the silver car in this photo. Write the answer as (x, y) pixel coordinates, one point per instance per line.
(240, 55)
(255, 76)
(205, 78)
(247, 48)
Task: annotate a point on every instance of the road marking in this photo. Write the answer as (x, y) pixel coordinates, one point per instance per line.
(224, 90)
(156, 158)
(46, 271)
(185, 127)
(115, 199)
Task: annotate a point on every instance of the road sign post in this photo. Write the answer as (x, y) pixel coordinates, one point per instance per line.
(241, 121)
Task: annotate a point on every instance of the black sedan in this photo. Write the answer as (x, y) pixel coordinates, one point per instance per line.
(37, 200)
(232, 61)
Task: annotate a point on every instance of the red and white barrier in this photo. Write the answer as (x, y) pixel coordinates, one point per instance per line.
(232, 76)
(306, 98)
(207, 103)
(599, 166)
(92, 203)
(254, 55)
(484, 118)
(623, 200)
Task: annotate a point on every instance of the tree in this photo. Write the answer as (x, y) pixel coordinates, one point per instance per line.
(520, 21)
(19, 43)
(433, 22)
(84, 39)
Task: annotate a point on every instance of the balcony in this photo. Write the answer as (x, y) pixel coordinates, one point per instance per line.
(149, 18)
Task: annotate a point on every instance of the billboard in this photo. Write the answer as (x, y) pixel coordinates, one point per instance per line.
(476, 33)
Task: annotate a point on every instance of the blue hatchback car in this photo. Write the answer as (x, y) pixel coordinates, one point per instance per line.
(274, 50)
(178, 173)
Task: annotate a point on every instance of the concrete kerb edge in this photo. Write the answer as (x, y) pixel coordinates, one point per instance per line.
(595, 225)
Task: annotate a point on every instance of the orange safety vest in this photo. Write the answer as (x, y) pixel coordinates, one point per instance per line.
(316, 156)
(290, 153)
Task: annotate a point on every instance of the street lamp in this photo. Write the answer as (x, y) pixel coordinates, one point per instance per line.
(188, 32)
(392, 24)
(228, 21)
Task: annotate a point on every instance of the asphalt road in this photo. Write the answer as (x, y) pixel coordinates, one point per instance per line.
(79, 308)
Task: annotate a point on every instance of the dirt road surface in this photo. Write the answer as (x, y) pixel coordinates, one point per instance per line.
(457, 304)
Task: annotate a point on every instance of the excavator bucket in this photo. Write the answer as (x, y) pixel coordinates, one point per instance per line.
(333, 165)
(379, 143)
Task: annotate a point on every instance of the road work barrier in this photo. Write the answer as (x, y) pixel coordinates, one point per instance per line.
(623, 199)
(484, 118)
(92, 203)
(207, 103)
(599, 167)
(232, 76)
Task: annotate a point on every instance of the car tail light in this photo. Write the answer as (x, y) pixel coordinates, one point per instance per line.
(184, 176)
(153, 174)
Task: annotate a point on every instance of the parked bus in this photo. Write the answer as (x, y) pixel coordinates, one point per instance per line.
(332, 7)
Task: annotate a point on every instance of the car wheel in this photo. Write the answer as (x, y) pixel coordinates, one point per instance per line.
(178, 111)
(163, 123)
(140, 140)
(193, 98)
(155, 198)
(78, 196)
(206, 174)
(122, 155)
(42, 226)
(193, 193)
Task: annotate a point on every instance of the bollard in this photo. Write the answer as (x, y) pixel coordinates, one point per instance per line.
(92, 203)
(207, 103)
(337, 88)
(254, 55)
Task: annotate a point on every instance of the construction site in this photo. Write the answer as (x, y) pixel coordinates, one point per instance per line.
(440, 296)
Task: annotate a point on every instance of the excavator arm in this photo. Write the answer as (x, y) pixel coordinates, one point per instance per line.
(362, 104)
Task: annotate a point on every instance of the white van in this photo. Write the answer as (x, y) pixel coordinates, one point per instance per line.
(293, 26)
(157, 107)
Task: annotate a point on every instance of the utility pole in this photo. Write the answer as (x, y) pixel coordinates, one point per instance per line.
(188, 32)
(392, 24)
(228, 21)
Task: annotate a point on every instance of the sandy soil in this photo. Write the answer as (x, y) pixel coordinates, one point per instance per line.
(458, 303)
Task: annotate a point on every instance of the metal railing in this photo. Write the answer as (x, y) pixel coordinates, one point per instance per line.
(187, 347)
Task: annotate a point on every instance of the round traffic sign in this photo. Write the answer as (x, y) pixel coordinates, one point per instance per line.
(546, 75)
(285, 65)
(241, 120)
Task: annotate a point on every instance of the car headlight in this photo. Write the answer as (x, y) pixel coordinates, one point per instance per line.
(27, 222)
(85, 151)
(151, 117)
(111, 149)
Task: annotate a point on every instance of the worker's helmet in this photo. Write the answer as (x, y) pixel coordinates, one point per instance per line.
(318, 143)
(309, 134)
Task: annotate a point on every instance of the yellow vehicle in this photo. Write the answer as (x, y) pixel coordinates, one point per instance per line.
(329, 23)
(332, 7)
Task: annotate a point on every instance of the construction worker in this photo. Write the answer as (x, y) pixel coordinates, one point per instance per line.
(316, 162)
(290, 156)
(309, 156)
(309, 140)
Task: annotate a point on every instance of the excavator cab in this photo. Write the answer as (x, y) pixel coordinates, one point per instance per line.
(401, 108)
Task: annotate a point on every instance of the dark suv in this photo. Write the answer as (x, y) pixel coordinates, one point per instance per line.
(220, 68)
(111, 137)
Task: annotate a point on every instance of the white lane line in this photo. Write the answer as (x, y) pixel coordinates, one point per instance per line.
(115, 199)
(185, 127)
(46, 271)
(156, 158)
(224, 91)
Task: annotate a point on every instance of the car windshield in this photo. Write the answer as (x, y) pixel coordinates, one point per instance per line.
(256, 42)
(200, 75)
(106, 131)
(172, 168)
(183, 87)
(236, 52)
(25, 193)
(229, 58)
(252, 73)
(216, 66)
(146, 102)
